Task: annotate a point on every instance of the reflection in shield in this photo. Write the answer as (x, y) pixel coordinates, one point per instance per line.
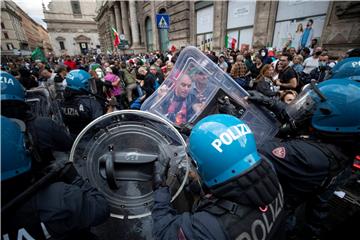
(209, 84)
(116, 153)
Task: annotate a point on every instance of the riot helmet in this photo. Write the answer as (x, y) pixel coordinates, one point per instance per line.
(332, 106)
(17, 160)
(354, 52)
(80, 80)
(348, 68)
(223, 147)
(11, 88)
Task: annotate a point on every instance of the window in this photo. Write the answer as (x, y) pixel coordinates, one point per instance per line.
(62, 45)
(10, 46)
(75, 5)
(2, 25)
(6, 35)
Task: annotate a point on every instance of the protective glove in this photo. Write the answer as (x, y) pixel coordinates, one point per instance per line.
(194, 185)
(160, 174)
(259, 98)
(184, 128)
(273, 104)
(67, 173)
(63, 171)
(226, 107)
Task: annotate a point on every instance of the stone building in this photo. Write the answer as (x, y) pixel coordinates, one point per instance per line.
(212, 24)
(45, 40)
(136, 22)
(71, 26)
(20, 34)
(13, 39)
(37, 35)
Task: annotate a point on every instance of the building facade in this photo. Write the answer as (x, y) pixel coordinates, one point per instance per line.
(135, 21)
(71, 26)
(20, 34)
(36, 34)
(44, 40)
(214, 24)
(13, 39)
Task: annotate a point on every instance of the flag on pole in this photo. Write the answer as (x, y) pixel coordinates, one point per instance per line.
(37, 54)
(230, 42)
(116, 37)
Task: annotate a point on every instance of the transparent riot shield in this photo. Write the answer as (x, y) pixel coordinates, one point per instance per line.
(116, 153)
(43, 104)
(194, 89)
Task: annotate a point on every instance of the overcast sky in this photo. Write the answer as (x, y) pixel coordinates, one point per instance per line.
(33, 8)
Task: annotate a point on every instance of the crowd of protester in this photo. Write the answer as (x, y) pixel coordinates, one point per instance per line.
(125, 81)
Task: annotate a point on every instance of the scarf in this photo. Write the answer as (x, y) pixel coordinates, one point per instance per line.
(176, 115)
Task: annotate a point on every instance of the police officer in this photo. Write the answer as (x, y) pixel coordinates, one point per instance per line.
(323, 129)
(244, 198)
(46, 135)
(59, 81)
(78, 107)
(63, 206)
(349, 67)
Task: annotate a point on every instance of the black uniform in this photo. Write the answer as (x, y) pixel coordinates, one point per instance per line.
(78, 111)
(59, 210)
(62, 205)
(309, 171)
(48, 136)
(250, 207)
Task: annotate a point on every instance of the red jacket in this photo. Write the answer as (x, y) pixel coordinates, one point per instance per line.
(71, 64)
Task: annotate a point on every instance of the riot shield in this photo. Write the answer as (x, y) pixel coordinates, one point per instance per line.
(194, 89)
(42, 103)
(116, 153)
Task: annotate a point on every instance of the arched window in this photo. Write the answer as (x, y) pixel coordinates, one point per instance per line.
(149, 35)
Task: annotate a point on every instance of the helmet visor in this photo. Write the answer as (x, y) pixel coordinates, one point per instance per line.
(304, 105)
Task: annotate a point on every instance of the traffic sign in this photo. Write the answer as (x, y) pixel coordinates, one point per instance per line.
(163, 21)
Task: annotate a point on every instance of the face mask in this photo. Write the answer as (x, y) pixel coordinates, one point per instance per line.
(322, 65)
(317, 53)
(263, 54)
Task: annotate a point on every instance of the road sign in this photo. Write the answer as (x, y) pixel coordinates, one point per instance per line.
(163, 21)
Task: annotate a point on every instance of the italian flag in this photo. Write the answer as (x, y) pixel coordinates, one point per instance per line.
(116, 37)
(230, 42)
